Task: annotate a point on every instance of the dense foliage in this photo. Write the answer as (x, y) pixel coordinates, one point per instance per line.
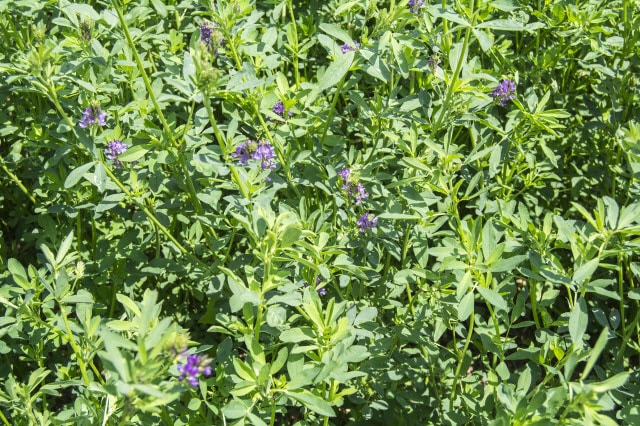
(319, 212)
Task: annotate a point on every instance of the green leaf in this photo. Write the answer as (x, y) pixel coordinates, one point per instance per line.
(454, 55)
(399, 216)
(502, 25)
(295, 335)
(585, 271)
(365, 315)
(595, 353)
(243, 370)
(466, 306)
(255, 349)
(578, 321)
(133, 154)
(311, 401)
(83, 296)
(493, 297)
(415, 164)
(280, 360)
(334, 73)
(612, 383)
(128, 303)
(336, 32)
(77, 174)
(449, 15)
(18, 273)
(188, 68)
(234, 409)
(290, 236)
(64, 248)
(113, 357)
(484, 39)
(160, 7)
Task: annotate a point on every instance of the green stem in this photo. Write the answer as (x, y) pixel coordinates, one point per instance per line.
(534, 304)
(456, 73)
(16, 180)
(621, 290)
(272, 422)
(153, 219)
(167, 129)
(256, 110)
(74, 345)
(223, 146)
(461, 360)
(627, 336)
(336, 95)
(296, 72)
(256, 328)
(4, 419)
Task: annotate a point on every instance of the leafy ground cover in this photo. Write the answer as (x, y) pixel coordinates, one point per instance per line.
(319, 212)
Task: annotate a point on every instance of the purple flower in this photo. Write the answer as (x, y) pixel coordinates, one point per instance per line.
(366, 222)
(415, 5)
(352, 187)
(113, 149)
(433, 62)
(321, 291)
(93, 115)
(265, 154)
(205, 33)
(85, 30)
(210, 36)
(360, 193)
(243, 152)
(344, 174)
(348, 48)
(278, 109)
(261, 151)
(194, 366)
(504, 92)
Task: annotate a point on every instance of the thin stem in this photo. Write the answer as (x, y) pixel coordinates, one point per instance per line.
(74, 345)
(256, 110)
(153, 219)
(461, 360)
(332, 108)
(626, 337)
(17, 181)
(456, 73)
(4, 419)
(296, 72)
(534, 305)
(223, 146)
(256, 328)
(167, 129)
(621, 289)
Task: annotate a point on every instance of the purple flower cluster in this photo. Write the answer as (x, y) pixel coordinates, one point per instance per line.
(85, 31)
(433, 62)
(504, 92)
(356, 191)
(321, 291)
(210, 37)
(415, 5)
(348, 48)
(93, 115)
(194, 366)
(278, 109)
(367, 221)
(113, 149)
(352, 187)
(261, 151)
